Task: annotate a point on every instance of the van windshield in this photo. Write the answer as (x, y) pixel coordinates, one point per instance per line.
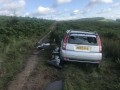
(84, 39)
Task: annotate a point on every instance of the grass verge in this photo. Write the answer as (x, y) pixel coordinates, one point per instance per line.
(13, 59)
(88, 77)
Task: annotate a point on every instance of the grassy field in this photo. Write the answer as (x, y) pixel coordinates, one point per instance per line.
(84, 76)
(18, 39)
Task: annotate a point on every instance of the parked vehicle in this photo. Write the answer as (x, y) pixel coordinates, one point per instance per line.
(81, 46)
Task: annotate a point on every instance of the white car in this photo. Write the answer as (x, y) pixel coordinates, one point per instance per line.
(81, 46)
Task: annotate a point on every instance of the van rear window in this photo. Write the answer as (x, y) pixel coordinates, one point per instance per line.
(84, 40)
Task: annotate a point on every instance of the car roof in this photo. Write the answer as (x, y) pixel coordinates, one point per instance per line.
(81, 32)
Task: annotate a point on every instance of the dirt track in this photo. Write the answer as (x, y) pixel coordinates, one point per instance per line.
(22, 80)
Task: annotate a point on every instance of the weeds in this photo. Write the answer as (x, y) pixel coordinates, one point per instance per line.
(112, 49)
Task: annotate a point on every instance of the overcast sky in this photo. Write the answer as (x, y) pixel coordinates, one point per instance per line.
(61, 9)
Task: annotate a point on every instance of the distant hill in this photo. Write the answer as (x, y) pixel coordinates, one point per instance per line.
(118, 20)
(91, 19)
(96, 19)
(107, 20)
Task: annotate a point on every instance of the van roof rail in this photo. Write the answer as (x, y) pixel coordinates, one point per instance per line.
(68, 31)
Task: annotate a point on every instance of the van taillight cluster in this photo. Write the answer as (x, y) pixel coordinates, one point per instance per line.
(99, 43)
(65, 41)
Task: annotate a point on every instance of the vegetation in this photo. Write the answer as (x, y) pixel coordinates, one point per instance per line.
(79, 76)
(18, 36)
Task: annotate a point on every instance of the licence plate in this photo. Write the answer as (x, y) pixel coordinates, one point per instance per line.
(83, 48)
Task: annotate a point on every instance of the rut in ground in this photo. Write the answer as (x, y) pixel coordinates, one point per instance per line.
(21, 79)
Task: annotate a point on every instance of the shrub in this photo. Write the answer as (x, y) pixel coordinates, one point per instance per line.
(112, 48)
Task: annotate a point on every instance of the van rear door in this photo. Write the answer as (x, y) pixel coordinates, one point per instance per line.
(82, 43)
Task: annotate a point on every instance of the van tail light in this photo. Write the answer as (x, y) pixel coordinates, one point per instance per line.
(65, 58)
(65, 41)
(99, 43)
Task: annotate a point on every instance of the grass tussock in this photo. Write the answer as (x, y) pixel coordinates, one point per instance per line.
(112, 48)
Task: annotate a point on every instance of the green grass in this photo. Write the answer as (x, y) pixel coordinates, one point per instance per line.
(88, 77)
(14, 56)
(111, 48)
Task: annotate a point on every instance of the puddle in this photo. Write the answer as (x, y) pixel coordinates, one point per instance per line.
(57, 85)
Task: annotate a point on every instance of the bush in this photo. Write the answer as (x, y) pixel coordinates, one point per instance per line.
(110, 35)
(111, 48)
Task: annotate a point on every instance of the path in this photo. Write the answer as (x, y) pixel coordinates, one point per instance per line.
(22, 77)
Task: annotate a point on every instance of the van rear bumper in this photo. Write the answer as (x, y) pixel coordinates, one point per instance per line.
(81, 56)
(83, 61)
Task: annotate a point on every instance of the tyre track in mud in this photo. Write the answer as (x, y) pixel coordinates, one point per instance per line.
(22, 78)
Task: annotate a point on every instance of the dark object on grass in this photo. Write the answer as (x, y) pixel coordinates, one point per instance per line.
(54, 63)
(55, 53)
(55, 58)
(57, 85)
(44, 46)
